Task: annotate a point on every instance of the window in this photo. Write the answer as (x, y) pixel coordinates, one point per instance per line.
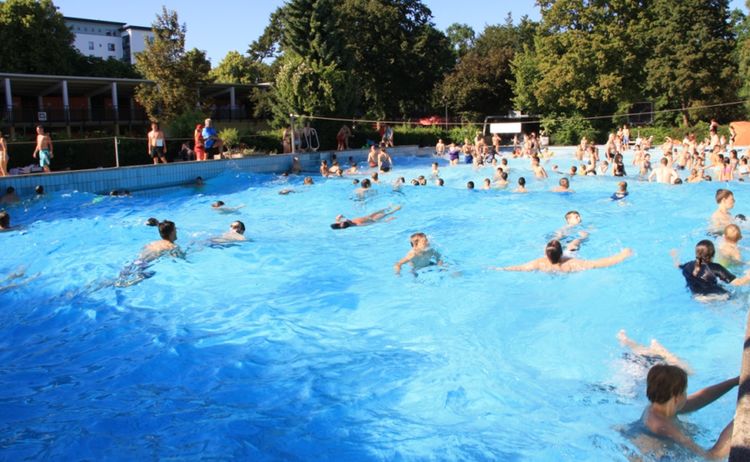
(111, 47)
(91, 45)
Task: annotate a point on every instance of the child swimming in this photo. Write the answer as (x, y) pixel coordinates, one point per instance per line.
(702, 274)
(729, 251)
(421, 254)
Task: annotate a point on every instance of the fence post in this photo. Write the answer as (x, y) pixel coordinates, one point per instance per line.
(117, 154)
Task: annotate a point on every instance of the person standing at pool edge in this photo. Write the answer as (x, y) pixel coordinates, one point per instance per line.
(211, 139)
(43, 148)
(157, 144)
(199, 146)
(3, 156)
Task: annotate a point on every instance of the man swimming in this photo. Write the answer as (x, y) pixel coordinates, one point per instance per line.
(343, 222)
(555, 262)
(236, 233)
(721, 218)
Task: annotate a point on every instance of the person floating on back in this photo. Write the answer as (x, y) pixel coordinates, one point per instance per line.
(342, 222)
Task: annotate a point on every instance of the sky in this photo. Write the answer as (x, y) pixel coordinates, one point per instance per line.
(221, 26)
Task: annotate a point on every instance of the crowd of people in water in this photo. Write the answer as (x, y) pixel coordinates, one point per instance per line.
(688, 161)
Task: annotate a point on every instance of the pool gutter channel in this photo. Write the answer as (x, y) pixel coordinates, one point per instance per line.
(147, 177)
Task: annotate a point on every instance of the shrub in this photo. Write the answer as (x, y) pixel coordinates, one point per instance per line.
(230, 137)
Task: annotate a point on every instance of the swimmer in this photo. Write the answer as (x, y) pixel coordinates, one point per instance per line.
(308, 181)
(470, 185)
(539, 171)
(421, 254)
(572, 219)
(168, 234)
(654, 353)
(521, 186)
(364, 188)
(487, 184)
(440, 182)
(10, 196)
(398, 182)
(236, 233)
(343, 223)
(666, 389)
(721, 218)
(353, 169)
(563, 186)
(39, 190)
(219, 206)
(453, 154)
(375, 178)
(729, 251)
(385, 163)
(555, 262)
(622, 191)
(199, 182)
(435, 170)
(4, 221)
(152, 222)
(502, 182)
(702, 274)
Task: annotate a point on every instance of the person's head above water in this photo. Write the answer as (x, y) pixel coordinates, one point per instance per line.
(553, 251)
(343, 224)
(665, 382)
(418, 239)
(732, 234)
(217, 204)
(704, 254)
(152, 222)
(308, 180)
(622, 186)
(723, 195)
(573, 217)
(365, 184)
(564, 183)
(470, 185)
(39, 190)
(522, 181)
(238, 227)
(4, 220)
(168, 230)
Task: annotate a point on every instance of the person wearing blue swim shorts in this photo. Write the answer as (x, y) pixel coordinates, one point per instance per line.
(43, 148)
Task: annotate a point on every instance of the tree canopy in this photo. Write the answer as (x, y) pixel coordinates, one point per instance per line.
(178, 75)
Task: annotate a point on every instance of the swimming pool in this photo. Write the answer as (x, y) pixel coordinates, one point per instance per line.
(303, 344)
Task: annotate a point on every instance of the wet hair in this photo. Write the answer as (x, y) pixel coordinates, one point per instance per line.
(664, 382)
(486, 181)
(722, 194)
(355, 181)
(365, 183)
(704, 253)
(553, 251)
(732, 233)
(740, 217)
(342, 224)
(238, 226)
(564, 182)
(522, 181)
(415, 182)
(308, 180)
(374, 176)
(573, 169)
(10, 190)
(4, 219)
(572, 212)
(504, 176)
(401, 180)
(470, 185)
(166, 228)
(217, 204)
(39, 189)
(440, 182)
(623, 185)
(677, 181)
(415, 237)
(152, 222)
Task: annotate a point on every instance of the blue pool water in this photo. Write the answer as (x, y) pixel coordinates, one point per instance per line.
(303, 345)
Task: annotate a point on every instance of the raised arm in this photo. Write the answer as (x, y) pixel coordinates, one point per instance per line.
(708, 395)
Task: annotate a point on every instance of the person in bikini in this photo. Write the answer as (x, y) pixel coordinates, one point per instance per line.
(342, 222)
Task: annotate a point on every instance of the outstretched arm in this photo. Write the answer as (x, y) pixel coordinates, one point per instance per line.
(533, 265)
(409, 256)
(708, 395)
(675, 257)
(606, 261)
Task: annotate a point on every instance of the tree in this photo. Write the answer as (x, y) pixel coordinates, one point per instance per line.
(178, 75)
(743, 56)
(34, 38)
(690, 63)
(461, 37)
(236, 68)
